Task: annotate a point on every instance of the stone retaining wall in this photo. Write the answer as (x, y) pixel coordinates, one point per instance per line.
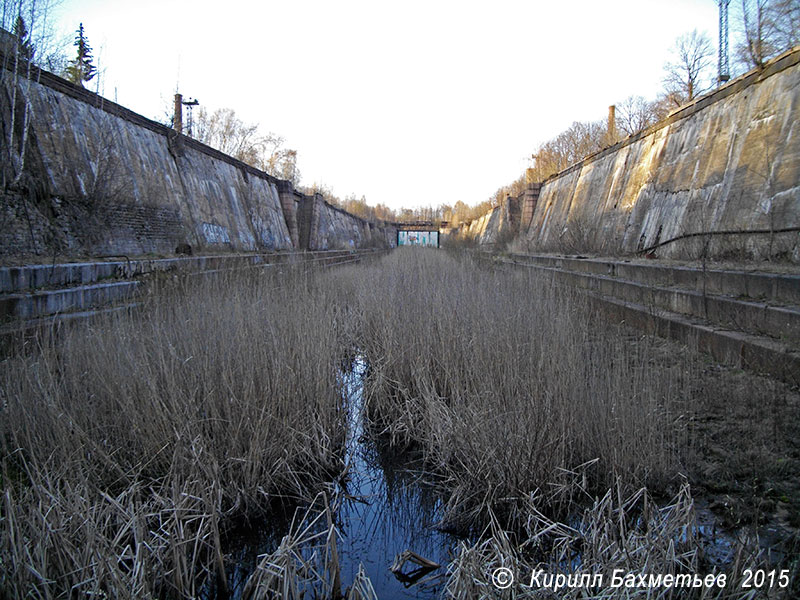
(727, 162)
(88, 176)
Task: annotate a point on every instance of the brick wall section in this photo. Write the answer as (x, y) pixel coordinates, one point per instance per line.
(65, 227)
(315, 203)
(148, 229)
(304, 209)
(24, 229)
(528, 204)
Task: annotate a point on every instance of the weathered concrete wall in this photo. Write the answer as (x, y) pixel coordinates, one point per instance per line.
(322, 226)
(290, 202)
(494, 228)
(728, 161)
(100, 179)
(338, 229)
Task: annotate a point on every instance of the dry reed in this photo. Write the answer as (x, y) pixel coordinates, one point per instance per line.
(629, 535)
(133, 444)
(306, 563)
(509, 386)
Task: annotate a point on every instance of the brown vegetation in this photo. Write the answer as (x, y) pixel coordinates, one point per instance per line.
(530, 409)
(511, 388)
(134, 445)
(224, 130)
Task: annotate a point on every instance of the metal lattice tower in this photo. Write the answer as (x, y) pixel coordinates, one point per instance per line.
(724, 72)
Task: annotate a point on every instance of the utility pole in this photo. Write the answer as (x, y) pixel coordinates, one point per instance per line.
(177, 119)
(190, 104)
(612, 125)
(724, 72)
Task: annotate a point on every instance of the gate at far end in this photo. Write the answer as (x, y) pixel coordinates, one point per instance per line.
(418, 234)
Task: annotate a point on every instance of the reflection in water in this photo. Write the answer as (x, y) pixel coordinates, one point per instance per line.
(386, 513)
(382, 510)
(388, 510)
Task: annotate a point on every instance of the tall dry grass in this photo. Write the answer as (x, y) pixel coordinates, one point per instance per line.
(563, 442)
(132, 445)
(626, 534)
(510, 387)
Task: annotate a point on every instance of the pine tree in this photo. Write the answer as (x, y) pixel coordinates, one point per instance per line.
(23, 39)
(81, 69)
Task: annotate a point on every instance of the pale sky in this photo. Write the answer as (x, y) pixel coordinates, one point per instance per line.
(407, 103)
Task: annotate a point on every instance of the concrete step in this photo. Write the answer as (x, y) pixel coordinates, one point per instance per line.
(31, 277)
(24, 327)
(77, 297)
(734, 348)
(734, 331)
(48, 302)
(780, 322)
(767, 287)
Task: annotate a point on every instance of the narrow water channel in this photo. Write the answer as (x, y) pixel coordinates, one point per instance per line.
(384, 509)
(388, 511)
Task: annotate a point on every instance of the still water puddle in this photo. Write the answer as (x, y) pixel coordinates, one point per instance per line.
(382, 510)
(388, 511)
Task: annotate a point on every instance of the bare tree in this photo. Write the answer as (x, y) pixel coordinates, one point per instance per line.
(570, 146)
(635, 114)
(15, 77)
(40, 44)
(26, 40)
(787, 24)
(285, 165)
(687, 74)
(766, 28)
(226, 132)
(223, 130)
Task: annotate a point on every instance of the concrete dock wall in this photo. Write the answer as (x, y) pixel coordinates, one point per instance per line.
(727, 162)
(83, 175)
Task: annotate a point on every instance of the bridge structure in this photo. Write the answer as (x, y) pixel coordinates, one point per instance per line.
(419, 233)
